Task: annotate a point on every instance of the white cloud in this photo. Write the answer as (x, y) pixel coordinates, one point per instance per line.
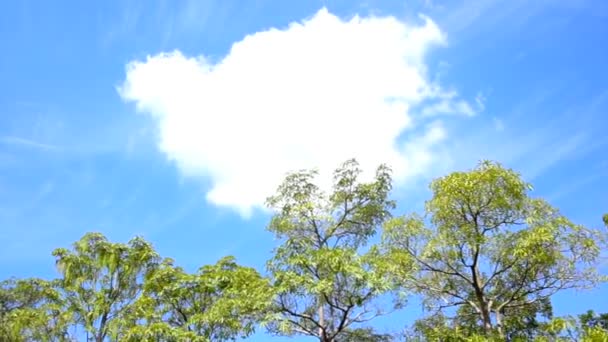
(310, 95)
(449, 104)
(480, 100)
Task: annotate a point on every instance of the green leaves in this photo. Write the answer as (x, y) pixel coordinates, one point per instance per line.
(218, 303)
(102, 279)
(488, 197)
(325, 282)
(490, 247)
(113, 291)
(349, 215)
(31, 309)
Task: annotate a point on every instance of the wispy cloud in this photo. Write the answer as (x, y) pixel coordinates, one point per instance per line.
(534, 146)
(27, 143)
(123, 24)
(469, 14)
(568, 188)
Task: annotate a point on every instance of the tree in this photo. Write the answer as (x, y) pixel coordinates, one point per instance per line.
(592, 327)
(220, 302)
(605, 219)
(101, 281)
(490, 247)
(31, 310)
(592, 320)
(587, 327)
(325, 279)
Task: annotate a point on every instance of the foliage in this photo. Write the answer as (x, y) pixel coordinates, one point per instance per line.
(590, 320)
(587, 327)
(31, 310)
(364, 335)
(125, 292)
(520, 323)
(324, 279)
(220, 302)
(490, 247)
(101, 281)
(529, 323)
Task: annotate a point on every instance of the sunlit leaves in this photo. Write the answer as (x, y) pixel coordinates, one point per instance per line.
(491, 247)
(218, 303)
(112, 291)
(102, 279)
(324, 277)
(31, 309)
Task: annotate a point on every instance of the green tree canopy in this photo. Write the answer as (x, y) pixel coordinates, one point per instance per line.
(324, 279)
(491, 247)
(32, 310)
(101, 281)
(220, 302)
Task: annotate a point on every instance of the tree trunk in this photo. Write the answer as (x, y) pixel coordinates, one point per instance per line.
(321, 323)
(322, 331)
(101, 335)
(499, 324)
(481, 300)
(487, 320)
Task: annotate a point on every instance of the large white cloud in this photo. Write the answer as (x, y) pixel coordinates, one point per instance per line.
(311, 95)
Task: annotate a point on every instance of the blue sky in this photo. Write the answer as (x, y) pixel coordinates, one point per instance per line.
(173, 119)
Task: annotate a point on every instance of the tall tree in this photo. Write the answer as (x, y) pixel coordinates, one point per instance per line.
(325, 279)
(101, 281)
(491, 247)
(220, 302)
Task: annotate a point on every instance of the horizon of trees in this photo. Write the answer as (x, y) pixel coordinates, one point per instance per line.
(485, 258)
